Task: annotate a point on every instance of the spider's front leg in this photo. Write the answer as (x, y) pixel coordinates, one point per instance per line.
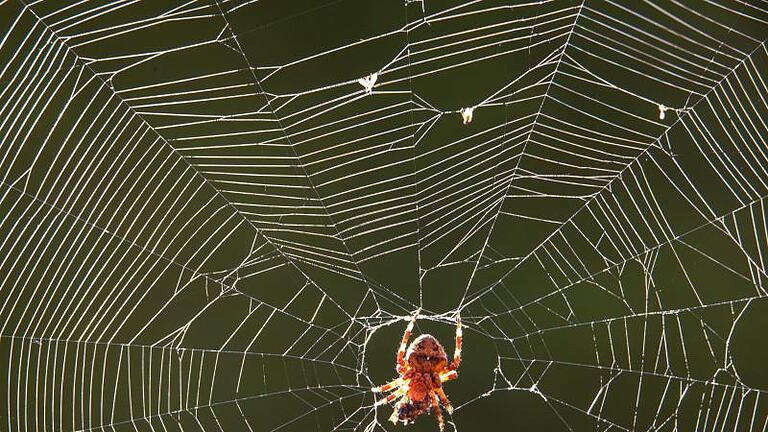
(438, 411)
(447, 375)
(444, 399)
(392, 396)
(389, 386)
(404, 344)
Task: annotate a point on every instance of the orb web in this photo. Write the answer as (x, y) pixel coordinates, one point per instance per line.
(217, 215)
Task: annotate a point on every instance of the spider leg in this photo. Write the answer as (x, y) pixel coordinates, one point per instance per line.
(457, 352)
(392, 396)
(448, 375)
(389, 386)
(438, 411)
(401, 352)
(444, 400)
(394, 417)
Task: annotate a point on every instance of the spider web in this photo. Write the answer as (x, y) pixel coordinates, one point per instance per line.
(208, 223)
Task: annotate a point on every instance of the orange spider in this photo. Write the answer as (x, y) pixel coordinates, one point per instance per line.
(422, 369)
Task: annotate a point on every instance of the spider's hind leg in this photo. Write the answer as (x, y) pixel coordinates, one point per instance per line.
(404, 343)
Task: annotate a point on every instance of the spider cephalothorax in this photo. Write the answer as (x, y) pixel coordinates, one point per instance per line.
(422, 368)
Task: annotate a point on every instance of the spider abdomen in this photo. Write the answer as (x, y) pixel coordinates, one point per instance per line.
(426, 354)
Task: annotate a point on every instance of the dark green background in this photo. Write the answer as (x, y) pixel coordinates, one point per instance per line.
(147, 282)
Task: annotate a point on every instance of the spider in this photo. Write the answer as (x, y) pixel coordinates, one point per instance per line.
(422, 369)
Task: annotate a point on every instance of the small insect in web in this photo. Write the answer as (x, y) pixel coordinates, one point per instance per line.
(663, 111)
(423, 369)
(466, 114)
(368, 82)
